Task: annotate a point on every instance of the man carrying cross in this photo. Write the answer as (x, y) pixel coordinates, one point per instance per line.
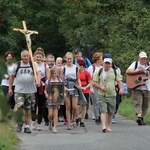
(25, 88)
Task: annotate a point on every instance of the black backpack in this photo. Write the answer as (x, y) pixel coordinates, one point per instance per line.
(100, 71)
(19, 66)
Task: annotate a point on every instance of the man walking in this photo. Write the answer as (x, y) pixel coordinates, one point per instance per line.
(25, 88)
(141, 94)
(105, 82)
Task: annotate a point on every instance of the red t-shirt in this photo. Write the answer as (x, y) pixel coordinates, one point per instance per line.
(85, 78)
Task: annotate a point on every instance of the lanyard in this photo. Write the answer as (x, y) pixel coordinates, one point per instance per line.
(104, 77)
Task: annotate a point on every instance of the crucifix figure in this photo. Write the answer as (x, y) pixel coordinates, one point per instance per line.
(27, 34)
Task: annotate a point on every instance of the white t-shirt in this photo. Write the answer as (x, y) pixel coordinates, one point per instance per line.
(147, 83)
(42, 68)
(90, 69)
(25, 80)
(5, 82)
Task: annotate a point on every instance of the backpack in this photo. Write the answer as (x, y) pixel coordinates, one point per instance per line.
(100, 71)
(19, 66)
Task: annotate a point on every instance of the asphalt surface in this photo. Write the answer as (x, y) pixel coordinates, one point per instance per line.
(125, 135)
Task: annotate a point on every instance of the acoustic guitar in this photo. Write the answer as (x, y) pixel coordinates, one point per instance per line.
(134, 81)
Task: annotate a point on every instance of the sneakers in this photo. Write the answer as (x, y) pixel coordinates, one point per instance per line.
(54, 130)
(86, 116)
(39, 127)
(140, 121)
(60, 119)
(97, 121)
(113, 121)
(33, 125)
(46, 123)
(19, 127)
(82, 124)
(27, 130)
(65, 122)
(143, 121)
(78, 120)
(93, 117)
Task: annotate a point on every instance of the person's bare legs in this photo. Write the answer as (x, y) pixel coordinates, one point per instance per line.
(103, 121)
(83, 112)
(27, 117)
(74, 109)
(67, 101)
(109, 119)
(55, 112)
(50, 117)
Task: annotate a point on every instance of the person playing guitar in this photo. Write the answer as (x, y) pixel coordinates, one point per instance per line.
(139, 82)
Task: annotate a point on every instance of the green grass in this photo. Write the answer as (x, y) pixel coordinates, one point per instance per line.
(8, 138)
(126, 109)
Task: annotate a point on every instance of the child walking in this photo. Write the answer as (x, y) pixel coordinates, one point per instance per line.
(54, 99)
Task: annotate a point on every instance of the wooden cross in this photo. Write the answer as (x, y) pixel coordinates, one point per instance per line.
(27, 34)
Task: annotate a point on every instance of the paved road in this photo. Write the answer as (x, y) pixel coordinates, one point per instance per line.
(126, 135)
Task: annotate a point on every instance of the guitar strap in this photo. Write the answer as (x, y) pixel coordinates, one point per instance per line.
(136, 64)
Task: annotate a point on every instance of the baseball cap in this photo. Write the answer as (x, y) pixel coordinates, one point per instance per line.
(77, 51)
(142, 55)
(107, 55)
(108, 60)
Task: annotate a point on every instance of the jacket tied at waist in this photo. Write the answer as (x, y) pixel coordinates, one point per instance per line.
(72, 85)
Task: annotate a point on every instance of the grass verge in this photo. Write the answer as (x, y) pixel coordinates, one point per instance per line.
(8, 138)
(126, 109)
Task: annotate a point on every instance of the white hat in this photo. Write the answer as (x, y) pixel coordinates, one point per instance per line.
(142, 55)
(108, 60)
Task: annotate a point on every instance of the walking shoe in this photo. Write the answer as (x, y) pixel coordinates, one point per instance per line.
(60, 119)
(27, 130)
(82, 124)
(54, 130)
(77, 121)
(46, 123)
(93, 117)
(86, 116)
(143, 121)
(113, 121)
(39, 127)
(33, 125)
(69, 127)
(140, 121)
(19, 127)
(97, 121)
(65, 122)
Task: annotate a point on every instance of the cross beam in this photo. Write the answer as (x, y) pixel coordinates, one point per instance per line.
(27, 34)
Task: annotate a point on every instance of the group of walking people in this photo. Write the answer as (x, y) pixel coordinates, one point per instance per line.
(49, 89)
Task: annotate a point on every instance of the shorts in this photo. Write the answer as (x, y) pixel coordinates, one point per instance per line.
(71, 93)
(25, 100)
(75, 94)
(52, 106)
(107, 104)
